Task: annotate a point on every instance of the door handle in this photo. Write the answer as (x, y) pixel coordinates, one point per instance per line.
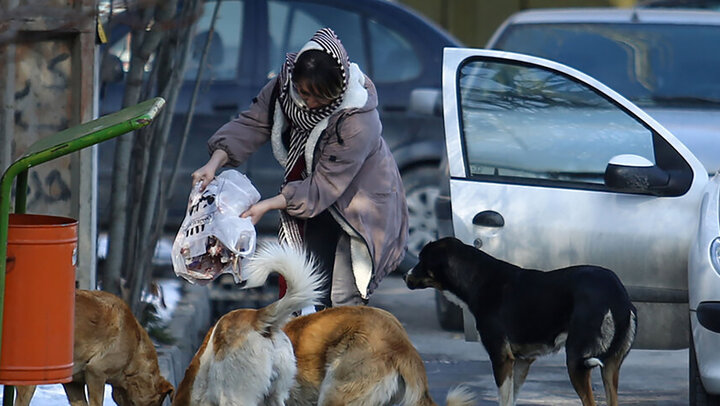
(492, 221)
(489, 218)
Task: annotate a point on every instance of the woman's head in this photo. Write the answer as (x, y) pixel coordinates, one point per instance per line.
(317, 77)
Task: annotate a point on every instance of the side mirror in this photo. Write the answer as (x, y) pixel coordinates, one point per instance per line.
(636, 174)
(426, 102)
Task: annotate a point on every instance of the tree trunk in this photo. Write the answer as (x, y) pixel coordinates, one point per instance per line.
(117, 237)
(152, 201)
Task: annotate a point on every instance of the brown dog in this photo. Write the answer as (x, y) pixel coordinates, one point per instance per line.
(246, 358)
(110, 346)
(357, 355)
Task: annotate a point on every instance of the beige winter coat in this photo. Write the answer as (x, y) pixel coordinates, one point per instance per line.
(353, 174)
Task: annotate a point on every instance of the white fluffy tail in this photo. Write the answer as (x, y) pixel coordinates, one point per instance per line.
(460, 396)
(299, 271)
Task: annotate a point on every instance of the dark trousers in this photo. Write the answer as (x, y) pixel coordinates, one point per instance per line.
(322, 233)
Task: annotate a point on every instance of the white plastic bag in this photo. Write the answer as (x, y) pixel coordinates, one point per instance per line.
(213, 239)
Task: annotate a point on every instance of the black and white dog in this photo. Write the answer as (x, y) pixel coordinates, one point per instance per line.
(522, 314)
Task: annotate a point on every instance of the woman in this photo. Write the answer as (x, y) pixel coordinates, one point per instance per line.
(342, 197)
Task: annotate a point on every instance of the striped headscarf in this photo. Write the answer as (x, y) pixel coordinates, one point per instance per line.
(302, 120)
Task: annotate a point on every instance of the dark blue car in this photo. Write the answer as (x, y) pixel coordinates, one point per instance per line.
(400, 50)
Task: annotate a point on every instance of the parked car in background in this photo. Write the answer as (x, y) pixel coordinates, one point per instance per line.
(687, 4)
(609, 163)
(400, 50)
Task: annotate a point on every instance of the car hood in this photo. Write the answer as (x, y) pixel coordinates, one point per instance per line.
(699, 130)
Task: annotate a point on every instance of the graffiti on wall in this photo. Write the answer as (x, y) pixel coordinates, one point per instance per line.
(43, 103)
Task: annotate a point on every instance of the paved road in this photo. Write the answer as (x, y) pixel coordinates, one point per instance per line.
(646, 378)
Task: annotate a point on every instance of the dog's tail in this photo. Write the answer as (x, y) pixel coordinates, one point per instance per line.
(412, 371)
(460, 396)
(303, 281)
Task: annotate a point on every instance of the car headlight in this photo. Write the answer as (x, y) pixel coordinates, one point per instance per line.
(715, 254)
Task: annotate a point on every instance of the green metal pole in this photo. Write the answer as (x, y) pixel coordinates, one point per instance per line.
(21, 192)
(5, 194)
(20, 207)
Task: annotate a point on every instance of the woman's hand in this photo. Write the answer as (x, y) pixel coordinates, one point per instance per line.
(206, 173)
(256, 211)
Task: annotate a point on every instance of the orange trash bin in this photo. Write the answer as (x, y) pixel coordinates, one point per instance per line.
(38, 320)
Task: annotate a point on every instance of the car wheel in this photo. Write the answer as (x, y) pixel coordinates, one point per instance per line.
(698, 395)
(421, 189)
(448, 313)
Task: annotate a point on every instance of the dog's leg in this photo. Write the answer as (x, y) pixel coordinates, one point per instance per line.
(346, 384)
(75, 392)
(610, 371)
(610, 375)
(520, 371)
(24, 394)
(581, 380)
(506, 392)
(95, 387)
(503, 365)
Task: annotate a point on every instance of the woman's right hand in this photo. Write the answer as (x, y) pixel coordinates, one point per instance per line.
(206, 173)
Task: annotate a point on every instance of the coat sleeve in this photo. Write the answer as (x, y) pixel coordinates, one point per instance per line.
(340, 161)
(251, 128)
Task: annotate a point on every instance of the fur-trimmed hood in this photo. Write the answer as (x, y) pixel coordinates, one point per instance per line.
(357, 98)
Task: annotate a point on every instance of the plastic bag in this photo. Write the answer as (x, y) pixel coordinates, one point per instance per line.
(213, 239)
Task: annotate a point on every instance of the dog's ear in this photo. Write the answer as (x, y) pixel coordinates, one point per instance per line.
(166, 389)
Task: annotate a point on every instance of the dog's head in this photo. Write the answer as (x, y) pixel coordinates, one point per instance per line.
(434, 267)
(143, 392)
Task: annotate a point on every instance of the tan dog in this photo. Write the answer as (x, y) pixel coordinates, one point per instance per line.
(356, 355)
(110, 346)
(246, 358)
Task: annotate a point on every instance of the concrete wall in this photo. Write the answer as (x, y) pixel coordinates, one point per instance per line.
(47, 84)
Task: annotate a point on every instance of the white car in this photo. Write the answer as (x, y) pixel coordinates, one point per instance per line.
(548, 167)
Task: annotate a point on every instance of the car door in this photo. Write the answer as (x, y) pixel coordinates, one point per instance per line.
(529, 142)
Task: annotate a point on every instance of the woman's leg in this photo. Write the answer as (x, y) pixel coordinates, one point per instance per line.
(321, 239)
(344, 291)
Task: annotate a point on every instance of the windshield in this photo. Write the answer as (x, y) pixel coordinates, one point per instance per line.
(654, 65)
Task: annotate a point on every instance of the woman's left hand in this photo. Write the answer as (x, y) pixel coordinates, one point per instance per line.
(257, 210)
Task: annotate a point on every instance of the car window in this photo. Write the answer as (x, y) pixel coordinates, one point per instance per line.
(393, 58)
(224, 53)
(650, 64)
(293, 23)
(530, 123)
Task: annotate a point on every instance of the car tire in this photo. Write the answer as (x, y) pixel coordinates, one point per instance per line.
(448, 313)
(421, 188)
(698, 394)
